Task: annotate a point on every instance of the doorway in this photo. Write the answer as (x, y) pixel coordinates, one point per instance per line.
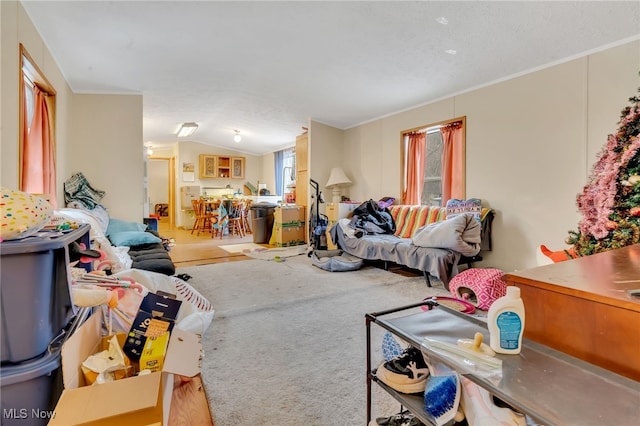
(161, 183)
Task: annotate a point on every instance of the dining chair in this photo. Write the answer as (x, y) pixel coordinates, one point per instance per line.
(235, 219)
(203, 220)
(220, 221)
(246, 226)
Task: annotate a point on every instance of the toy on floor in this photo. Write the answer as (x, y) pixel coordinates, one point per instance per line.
(558, 255)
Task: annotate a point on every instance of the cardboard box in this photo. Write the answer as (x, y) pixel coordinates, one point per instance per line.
(91, 376)
(139, 400)
(156, 315)
(335, 211)
(286, 236)
(289, 215)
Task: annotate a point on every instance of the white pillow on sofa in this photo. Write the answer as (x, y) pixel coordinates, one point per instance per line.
(460, 233)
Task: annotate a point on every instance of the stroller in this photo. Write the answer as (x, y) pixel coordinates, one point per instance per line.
(317, 222)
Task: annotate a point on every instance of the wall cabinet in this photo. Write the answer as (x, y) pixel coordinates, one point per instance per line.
(208, 164)
(237, 167)
(221, 166)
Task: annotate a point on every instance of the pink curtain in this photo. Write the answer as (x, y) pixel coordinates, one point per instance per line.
(453, 159)
(38, 151)
(416, 151)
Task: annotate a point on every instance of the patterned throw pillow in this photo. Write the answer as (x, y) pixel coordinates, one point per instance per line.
(457, 207)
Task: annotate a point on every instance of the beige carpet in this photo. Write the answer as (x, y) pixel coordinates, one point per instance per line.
(287, 343)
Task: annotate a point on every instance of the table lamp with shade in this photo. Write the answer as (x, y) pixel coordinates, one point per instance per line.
(337, 179)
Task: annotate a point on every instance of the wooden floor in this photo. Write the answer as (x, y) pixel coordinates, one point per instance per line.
(189, 405)
(192, 249)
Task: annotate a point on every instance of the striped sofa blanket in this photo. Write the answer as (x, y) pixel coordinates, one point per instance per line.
(407, 246)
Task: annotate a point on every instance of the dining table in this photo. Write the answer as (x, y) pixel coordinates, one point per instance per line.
(213, 205)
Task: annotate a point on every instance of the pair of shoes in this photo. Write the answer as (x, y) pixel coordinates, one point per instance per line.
(405, 418)
(406, 373)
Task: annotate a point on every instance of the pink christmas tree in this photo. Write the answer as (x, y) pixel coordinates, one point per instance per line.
(610, 202)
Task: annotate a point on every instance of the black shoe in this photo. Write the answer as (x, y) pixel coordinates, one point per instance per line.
(406, 373)
(404, 418)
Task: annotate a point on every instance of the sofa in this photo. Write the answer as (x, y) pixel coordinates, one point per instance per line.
(399, 248)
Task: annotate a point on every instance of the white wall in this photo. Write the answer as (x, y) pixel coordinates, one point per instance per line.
(531, 141)
(106, 146)
(158, 175)
(268, 175)
(326, 147)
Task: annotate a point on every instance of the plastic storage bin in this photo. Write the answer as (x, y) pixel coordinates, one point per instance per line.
(29, 391)
(34, 293)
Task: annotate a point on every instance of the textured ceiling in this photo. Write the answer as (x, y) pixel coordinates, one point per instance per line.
(265, 68)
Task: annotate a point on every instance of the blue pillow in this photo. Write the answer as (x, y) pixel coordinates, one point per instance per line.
(133, 238)
(116, 225)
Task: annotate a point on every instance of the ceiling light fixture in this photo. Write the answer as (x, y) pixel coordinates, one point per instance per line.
(237, 138)
(442, 20)
(450, 51)
(187, 129)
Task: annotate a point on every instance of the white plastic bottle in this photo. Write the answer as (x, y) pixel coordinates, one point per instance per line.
(505, 321)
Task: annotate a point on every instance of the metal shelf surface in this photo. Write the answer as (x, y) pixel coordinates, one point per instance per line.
(547, 385)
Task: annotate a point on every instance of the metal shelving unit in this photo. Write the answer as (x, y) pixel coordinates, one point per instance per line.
(549, 386)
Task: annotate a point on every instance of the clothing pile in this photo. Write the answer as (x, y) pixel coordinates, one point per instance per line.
(78, 190)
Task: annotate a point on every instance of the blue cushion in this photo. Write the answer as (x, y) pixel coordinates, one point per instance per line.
(133, 238)
(116, 225)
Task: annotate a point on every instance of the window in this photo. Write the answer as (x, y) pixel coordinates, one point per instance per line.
(289, 167)
(432, 190)
(434, 163)
(285, 169)
(37, 130)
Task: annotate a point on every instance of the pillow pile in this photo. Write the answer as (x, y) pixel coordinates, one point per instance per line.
(123, 233)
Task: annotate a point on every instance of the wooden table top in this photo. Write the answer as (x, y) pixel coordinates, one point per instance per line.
(603, 277)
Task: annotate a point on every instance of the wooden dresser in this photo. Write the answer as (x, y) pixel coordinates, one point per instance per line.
(582, 307)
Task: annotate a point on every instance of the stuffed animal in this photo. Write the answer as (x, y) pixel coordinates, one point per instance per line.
(559, 255)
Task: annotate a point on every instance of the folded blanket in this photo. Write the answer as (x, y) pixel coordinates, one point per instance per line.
(460, 233)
